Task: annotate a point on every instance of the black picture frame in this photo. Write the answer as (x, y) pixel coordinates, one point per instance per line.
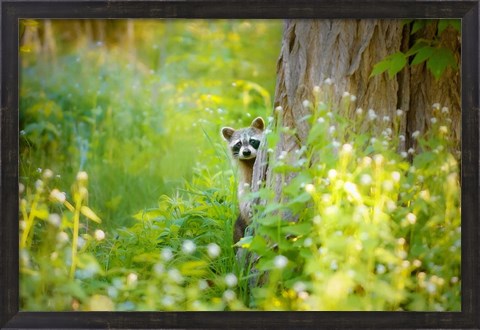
(12, 11)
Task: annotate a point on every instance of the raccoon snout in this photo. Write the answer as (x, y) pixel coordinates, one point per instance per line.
(246, 152)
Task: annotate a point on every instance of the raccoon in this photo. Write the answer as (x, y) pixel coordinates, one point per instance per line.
(244, 144)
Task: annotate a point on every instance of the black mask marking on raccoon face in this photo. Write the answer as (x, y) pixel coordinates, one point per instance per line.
(254, 143)
(236, 148)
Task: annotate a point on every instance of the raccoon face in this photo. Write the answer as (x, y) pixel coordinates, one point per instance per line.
(245, 142)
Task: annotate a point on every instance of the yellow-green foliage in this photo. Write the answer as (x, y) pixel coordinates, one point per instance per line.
(373, 230)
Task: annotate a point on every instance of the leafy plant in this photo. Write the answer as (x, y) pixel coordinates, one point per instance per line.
(437, 56)
(360, 227)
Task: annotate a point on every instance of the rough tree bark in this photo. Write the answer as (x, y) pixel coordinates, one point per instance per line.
(346, 51)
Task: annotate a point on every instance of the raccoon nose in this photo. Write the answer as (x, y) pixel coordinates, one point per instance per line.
(246, 152)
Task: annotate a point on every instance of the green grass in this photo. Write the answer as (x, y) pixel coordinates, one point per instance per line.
(131, 136)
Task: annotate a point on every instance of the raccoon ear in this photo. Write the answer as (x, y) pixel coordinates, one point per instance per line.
(258, 123)
(227, 133)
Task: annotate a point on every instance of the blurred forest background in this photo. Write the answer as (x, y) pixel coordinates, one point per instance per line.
(138, 104)
(128, 195)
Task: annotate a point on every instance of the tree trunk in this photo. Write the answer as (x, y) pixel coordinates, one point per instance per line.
(345, 51)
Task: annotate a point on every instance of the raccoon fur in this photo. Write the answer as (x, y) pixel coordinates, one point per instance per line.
(243, 144)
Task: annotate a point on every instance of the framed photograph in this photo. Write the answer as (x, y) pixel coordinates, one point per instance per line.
(209, 164)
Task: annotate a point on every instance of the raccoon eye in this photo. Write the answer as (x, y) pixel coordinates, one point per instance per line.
(254, 143)
(237, 147)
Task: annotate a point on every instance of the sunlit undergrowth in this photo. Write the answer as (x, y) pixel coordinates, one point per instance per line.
(374, 230)
(177, 256)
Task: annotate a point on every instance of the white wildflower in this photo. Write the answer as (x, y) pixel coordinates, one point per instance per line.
(168, 301)
(167, 254)
(213, 250)
(347, 148)
(228, 295)
(396, 176)
(54, 219)
(82, 176)
(332, 174)
(299, 287)
(310, 188)
(365, 179)
(188, 247)
(132, 279)
(380, 269)
(352, 190)
(387, 185)
(231, 280)
(308, 242)
(39, 184)
(175, 276)
(280, 261)
(80, 242)
(378, 159)
(159, 268)
(62, 237)
(411, 218)
(47, 174)
(99, 235)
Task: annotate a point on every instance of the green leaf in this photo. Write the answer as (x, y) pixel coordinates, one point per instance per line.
(244, 242)
(297, 229)
(380, 67)
(445, 23)
(418, 25)
(392, 64)
(86, 211)
(419, 44)
(41, 213)
(397, 63)
(423, 54)
(259, 244)
(193, 268)
(440, 60)
(148, 214)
